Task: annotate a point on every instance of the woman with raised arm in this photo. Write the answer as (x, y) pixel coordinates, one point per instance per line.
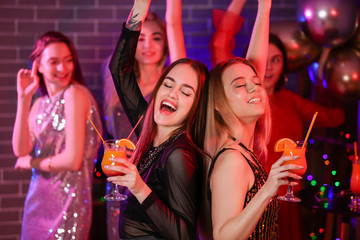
(55, 139)
(158, 41)
(243, 196)
(289, 111)
(163, 183)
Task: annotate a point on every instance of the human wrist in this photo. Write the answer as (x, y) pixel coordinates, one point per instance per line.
(264, 7)
(44, 164)
(49, 165)
(265, 195)
(143, 193)
(24, 101)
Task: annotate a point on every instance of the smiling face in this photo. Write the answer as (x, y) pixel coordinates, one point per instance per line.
(57, 67)
(244, 92)
(175, 97)
(274, 68)
(151, 44)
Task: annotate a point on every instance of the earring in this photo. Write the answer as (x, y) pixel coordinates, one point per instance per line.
(285, 78)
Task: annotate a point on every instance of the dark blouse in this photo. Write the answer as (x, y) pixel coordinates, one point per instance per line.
(267, 227)
(170, 211)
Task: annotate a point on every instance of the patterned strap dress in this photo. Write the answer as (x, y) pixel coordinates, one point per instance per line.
(267, 227)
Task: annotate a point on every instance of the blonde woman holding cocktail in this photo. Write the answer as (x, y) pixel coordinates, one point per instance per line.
(54, 138)
(243, 201)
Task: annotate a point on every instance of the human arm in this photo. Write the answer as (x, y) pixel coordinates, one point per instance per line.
(227, 24)
(174, 30)
(77, 108)
(122, 65)
(230, 181)
(327, 117)
(259, 41)
(27, 83)
(110, 98)
(175, 219)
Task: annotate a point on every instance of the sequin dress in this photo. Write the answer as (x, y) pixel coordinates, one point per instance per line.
(267, 227)
(59, 205)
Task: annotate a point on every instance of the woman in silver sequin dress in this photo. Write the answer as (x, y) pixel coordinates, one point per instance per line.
(54, 138)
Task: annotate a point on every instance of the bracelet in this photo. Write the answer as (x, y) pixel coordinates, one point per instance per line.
(51, 169)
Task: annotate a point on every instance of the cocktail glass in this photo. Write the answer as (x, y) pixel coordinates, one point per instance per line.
(112, 150)
(298, 150)
(355, 185)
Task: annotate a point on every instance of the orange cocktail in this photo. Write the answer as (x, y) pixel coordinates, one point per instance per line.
(115, 149)
(355, 185)
(299, 151)
(291, 148)
(111, 153)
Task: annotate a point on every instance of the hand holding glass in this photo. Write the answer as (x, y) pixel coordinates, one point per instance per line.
(294, 150)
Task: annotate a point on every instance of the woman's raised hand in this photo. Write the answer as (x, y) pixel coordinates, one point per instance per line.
(27, 81)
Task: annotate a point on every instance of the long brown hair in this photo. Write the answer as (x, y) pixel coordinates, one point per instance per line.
(274, 39)
(47, 39)
(193, 125)
(220, 115)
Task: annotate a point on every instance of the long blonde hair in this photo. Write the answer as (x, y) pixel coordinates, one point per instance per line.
(153, 17)
(220, 116)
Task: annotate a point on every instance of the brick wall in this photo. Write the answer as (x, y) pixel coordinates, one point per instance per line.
(94, 26)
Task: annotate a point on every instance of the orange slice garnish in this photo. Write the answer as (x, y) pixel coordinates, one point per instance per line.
(126, 143)
(283, 143)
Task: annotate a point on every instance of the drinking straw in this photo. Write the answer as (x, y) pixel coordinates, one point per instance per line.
(355, 152)
(309, 130)
(98, 133)
(135, 126)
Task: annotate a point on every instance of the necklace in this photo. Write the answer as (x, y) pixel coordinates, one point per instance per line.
(154, 152)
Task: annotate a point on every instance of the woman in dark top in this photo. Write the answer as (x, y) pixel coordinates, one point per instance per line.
(164, 181)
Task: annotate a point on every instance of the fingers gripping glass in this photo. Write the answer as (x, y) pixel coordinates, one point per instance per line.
(298, 150)
(114, 149)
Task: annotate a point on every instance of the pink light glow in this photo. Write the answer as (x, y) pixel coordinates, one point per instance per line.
(333, 12)
(308, 13)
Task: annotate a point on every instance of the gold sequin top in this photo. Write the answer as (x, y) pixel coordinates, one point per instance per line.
(267, 227)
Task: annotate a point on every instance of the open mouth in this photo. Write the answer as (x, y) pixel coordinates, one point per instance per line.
(148, 54)
(268, 75)
(61, 76)
(167, 107)
(254, 100)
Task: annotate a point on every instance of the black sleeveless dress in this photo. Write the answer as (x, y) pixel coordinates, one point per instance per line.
(267, 227)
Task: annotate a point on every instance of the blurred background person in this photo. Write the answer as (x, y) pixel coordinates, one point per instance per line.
(55, 139)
